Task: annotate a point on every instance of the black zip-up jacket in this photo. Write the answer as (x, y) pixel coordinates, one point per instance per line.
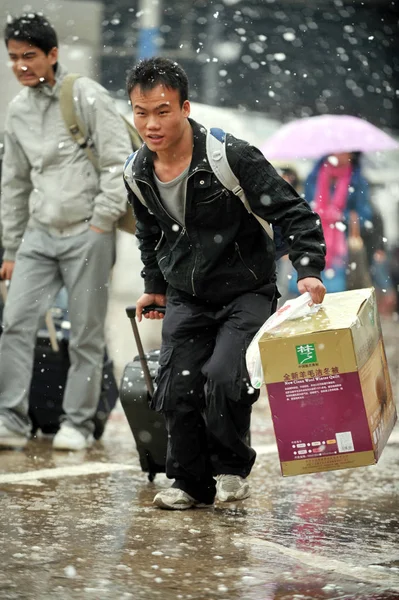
(222, 251)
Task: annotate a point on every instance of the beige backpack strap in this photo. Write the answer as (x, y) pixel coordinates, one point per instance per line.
(77, 131)
(3, 290)
(136, 140)
(72, 121)
(217, 158)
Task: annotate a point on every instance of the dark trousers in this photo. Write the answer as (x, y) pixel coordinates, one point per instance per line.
(203, 387)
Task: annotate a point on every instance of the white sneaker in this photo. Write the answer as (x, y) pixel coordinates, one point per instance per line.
(69, 438)
(175, 499)
(10, 438)
(231, 487)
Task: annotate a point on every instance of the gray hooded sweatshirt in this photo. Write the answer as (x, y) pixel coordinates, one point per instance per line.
(48, 182)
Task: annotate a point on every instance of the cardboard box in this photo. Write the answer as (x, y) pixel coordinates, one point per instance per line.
(328, 384)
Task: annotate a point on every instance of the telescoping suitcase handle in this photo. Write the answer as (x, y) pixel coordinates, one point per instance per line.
(131, 313)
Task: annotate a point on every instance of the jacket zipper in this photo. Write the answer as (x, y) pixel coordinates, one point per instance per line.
(243, 261)
(195, 257)
(160, 203)
(183, 231)
(183, 228)
(160, 242)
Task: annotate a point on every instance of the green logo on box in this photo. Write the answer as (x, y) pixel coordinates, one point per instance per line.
(306, 354)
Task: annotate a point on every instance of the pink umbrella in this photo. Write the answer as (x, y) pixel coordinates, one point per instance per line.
(315, 137)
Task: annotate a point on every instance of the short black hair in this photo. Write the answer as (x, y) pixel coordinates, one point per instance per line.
(33, 28)
(150, 72)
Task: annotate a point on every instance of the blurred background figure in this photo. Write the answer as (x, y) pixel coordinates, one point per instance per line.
(284, 265)
(381, 262)
(291, 175)
(339, 193)
(353, 228)
(358, 252)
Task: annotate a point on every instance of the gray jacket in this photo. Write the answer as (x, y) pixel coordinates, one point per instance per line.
(47, 180)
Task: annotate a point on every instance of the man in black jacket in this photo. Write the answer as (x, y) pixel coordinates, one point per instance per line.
(213, 266)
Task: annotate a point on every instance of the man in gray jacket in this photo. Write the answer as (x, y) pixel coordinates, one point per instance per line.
(58, 215)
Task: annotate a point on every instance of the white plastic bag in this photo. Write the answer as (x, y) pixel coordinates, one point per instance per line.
(292, 309)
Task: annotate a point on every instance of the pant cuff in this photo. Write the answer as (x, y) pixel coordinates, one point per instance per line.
(15, 424)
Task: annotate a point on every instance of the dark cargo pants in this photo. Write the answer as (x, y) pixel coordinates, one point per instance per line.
(204, 389)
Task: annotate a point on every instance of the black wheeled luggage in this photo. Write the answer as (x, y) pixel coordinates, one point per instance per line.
(50, 370)
(136, 390)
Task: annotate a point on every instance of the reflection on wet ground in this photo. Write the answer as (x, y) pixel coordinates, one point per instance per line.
(82, 526)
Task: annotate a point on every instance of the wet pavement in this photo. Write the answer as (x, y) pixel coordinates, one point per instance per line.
(82, 525)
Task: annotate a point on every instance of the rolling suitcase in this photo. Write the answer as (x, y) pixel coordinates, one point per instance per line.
(50, 370)
(136, 390)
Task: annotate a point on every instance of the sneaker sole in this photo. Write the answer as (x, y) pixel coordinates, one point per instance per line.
(11, 442)
(165, 505)
(161, 504)
(61, 446)
(234, 498)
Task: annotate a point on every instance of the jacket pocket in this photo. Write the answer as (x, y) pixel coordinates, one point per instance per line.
(216, 209)
(165, 355)
(218, 195)
(238, 251)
